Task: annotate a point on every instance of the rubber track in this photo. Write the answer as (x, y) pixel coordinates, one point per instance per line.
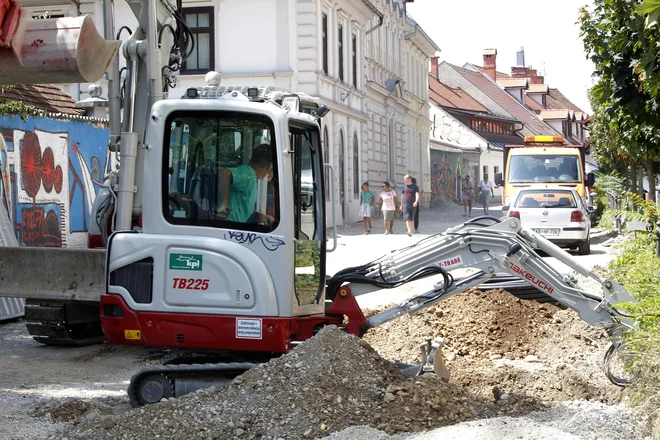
(169, 370)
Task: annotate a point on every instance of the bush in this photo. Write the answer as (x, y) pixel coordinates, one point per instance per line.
(638, 270)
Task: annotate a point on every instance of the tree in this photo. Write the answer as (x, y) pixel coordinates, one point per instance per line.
(627, 110)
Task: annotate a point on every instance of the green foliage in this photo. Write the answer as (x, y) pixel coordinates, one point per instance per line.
(643, 210)
(606, 182)
(623, 46)
(638, 270)
(16, 108)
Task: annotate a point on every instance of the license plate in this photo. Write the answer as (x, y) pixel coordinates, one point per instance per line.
(546, 231)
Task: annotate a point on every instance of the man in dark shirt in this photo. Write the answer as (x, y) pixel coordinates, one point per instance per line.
(409, 202)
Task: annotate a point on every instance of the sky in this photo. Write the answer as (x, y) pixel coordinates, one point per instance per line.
(546, 29)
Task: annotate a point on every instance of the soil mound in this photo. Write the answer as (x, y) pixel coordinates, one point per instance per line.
(497, 344)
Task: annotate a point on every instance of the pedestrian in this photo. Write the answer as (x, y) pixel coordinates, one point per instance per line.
(366, 202)
(485, 192)
(388, 206)
(409, 202)
(417, 209)
(468, 196)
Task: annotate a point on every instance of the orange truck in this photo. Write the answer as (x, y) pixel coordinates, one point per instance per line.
(544, 162)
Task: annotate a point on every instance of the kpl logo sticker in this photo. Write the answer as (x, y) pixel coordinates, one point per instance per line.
(186, 261)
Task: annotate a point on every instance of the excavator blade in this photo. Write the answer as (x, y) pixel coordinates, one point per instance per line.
(60, 50)
(52, 273)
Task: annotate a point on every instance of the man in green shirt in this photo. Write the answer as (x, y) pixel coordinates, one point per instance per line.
(237, 187)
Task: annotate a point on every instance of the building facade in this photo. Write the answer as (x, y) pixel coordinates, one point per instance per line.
(366, 60)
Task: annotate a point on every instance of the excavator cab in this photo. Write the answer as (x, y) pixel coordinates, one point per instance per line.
(210, 268)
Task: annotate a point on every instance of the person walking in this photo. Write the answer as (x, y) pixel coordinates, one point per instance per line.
(388, 206)
(414, 181)
(485, 192)
(366, 202)
(409, 202)
(468, 196)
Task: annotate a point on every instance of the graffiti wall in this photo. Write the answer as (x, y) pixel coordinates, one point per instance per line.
(448, 168)
(50, 170)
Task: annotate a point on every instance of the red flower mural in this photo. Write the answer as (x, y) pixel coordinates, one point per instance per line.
(48, 169)
(31, 164)
(58, 179)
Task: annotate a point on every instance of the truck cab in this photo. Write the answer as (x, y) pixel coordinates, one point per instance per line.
(543, 162)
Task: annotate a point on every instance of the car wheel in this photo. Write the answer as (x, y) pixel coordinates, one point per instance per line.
(584, 247)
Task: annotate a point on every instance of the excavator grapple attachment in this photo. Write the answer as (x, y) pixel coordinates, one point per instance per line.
(60, 50)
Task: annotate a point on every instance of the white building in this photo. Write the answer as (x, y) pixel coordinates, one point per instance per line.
(352, 55)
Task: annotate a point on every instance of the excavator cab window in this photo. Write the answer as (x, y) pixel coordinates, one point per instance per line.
(216, 162)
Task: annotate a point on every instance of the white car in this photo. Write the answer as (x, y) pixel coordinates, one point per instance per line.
(558, 214)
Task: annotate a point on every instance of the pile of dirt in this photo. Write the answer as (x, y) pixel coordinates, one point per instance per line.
(71, 410)
(474, 323)
(330, 382)
(497, 344)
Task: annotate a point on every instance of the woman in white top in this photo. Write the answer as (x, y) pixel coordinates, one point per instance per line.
(485, 192)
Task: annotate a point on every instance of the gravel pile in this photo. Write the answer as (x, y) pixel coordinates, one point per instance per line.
(330, 382)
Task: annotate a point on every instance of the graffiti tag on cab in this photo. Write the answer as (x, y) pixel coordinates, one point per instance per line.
(269, 242)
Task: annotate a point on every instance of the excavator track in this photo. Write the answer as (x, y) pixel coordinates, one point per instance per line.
(63, 323)
(152, 384)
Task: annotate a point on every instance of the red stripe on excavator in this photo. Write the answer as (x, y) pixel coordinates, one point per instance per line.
(213, 332)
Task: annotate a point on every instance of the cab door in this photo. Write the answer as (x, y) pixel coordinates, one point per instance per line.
(309, 205)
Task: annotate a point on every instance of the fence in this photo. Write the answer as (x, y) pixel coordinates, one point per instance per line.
(615, 201)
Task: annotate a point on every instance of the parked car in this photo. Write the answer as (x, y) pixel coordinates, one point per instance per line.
(558, 214)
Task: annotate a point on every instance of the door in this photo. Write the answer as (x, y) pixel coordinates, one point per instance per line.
(309, 205)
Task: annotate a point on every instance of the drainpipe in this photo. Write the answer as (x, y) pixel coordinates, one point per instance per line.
(377, 12)
(412, 34)
(522, 125)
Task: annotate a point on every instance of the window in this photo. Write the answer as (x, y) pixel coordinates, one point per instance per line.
(496, 170)
(544, 169)
(354, 59)
(215, 164)
(200, 22)
(324, 30)
(340, 48)
(485, 170)
(356, 167)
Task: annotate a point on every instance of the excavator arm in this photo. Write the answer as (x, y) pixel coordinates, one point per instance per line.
(490, 246)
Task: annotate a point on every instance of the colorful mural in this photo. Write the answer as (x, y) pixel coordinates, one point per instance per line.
(448, 168)
(50, 170)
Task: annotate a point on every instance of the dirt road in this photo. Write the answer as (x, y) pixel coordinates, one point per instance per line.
(44, 390)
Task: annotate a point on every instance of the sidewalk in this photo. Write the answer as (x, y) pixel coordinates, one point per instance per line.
(354, 248)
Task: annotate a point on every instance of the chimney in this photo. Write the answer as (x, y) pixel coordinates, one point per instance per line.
(490, 63)
(434, 66)
(520, 56)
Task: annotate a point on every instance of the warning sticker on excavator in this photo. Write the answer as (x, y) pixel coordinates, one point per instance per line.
(451, 262)
(248, 328)
(131, 334)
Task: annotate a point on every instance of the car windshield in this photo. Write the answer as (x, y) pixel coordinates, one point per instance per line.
(546, 199)
(544, 168)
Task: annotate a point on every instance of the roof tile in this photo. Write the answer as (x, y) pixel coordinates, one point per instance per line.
(505, 101)
(555, 114)
(452, 97)
(44, 97)
(556, 100)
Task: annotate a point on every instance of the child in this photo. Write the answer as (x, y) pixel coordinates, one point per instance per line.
(366, 202)
(389, 206)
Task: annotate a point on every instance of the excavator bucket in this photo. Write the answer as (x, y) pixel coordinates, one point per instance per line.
(51, 51)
